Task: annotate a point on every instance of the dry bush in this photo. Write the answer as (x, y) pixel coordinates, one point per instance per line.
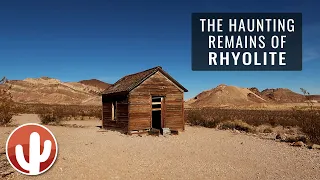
(6, 104)
(95, 112)
(63, 112)
(307, 120)
(237, 125)
(252, 117)
(267, 130)
(53, 115)
(296, 138)
(308, 98)
(290, 139)
(199, 117)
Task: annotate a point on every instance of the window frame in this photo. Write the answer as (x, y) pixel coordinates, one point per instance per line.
(158, 102)
(114, 111)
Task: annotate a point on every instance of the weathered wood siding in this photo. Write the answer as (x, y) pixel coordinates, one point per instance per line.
(121, 121)
(140, 103)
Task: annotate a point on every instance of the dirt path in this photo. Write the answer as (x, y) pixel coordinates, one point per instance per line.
(197, 153)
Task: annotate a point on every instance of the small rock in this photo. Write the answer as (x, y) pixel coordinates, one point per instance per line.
(291, 139)
(302, 138)
(298, 144)
(315, 146)
(309, 146)
(281, 137)
(2, 151)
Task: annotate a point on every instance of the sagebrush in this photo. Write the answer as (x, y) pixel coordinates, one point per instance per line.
(57, 113)
(307, 120)
(52, 115)
(237, 125)
(6, 103)
(47, 113)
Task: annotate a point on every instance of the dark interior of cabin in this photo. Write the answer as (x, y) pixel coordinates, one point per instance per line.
(156, 112)
(156, 119)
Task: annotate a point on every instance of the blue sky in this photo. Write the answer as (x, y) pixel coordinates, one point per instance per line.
(76, 40)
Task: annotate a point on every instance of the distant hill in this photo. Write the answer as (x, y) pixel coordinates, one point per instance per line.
(96, 83)
(224, 95)
(46, 90)
(315, 97)
(279, 95)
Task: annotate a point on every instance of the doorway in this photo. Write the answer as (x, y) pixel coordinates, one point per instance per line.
(157, 105)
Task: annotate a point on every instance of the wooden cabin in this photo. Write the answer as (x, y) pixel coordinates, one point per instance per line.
(146, 100)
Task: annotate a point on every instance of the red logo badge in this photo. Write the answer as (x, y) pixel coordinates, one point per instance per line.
(31, 149)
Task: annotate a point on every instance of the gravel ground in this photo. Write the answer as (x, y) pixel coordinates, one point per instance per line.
(197, 153)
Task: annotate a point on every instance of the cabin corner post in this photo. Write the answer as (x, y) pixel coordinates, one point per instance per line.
(163, 112)
(102, 119)
(128, 123)
(150, 111)
(183, 114)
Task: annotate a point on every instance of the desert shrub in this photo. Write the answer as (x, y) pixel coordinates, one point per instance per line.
(53, 115)
(96, 112)
(295, 138)
(68, 111)
(198, 117)
(302, 138)
(252, 117)
(272, 122)
(195, 118)
(309, 121)
(267, 130)
(290, 131)
(308, 98)
(227, 125)
(237, 125)
(6, 104)
(291, 139)
(210, 124)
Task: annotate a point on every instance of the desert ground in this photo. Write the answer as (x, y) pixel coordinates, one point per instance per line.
(197, 153)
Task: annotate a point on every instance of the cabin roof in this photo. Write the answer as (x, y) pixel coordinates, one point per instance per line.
(129, 82)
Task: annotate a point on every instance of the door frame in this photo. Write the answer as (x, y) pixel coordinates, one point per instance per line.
(163, 97)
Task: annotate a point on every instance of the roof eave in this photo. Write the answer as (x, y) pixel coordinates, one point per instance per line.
(165, 74)
(115, 93)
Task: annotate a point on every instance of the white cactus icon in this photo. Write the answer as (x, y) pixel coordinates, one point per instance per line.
(35, 158)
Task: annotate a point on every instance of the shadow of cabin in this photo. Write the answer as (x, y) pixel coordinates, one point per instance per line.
(144, 101)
